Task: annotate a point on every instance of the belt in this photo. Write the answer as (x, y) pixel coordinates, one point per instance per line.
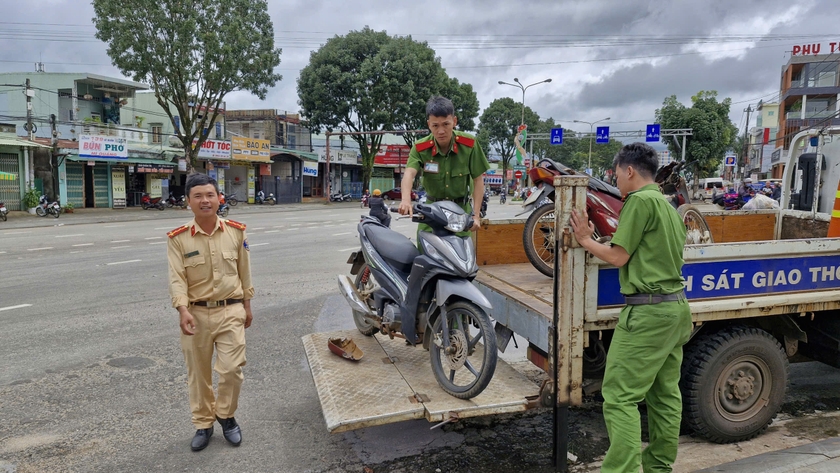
(459, 201)
(216, 303)
(645, 299)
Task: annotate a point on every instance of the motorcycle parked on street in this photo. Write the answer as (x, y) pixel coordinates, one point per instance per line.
(224, 208)
(262, 199)
(341, 197)
(173, 201)
(484, 201)
(149, 203)
(603, 204)
(232, 200)
(45, 207)
(426, 298)
(3, 211)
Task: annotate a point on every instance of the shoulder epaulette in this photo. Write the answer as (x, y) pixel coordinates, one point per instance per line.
(235, 224)
(177, 231)
(464, 140)
(423, 146)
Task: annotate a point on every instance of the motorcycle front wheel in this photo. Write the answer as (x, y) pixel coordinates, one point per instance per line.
(462, 366)
(40, 211)
(161, 207)
(232, 201)
(271, 202)
(56, 213)
(3, 216)
(365, 284)
(223, 213)
(696, 228)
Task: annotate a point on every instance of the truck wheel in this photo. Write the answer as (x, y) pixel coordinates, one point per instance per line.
(733, 383)
(365, 284)
(697, 230)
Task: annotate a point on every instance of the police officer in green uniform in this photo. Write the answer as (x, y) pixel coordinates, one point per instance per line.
(645, 354)
(451, 163)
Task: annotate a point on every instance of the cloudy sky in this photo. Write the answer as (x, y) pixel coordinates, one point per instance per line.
(606, 58)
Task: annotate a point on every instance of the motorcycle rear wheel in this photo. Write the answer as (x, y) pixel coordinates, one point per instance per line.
(538, 239)
(697, 230)
(271, 202)
(223, 212)
(232, 201)
(466, 371)
(40, 211)
(364, 284)
(161, 207)
(3, 216)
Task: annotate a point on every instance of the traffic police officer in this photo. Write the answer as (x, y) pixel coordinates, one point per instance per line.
(643, 362)
(210, 286)
(451, 162)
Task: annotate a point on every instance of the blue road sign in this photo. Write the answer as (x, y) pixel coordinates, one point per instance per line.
(602, 135)
(652, 133)
(557, 136)
(729, 160)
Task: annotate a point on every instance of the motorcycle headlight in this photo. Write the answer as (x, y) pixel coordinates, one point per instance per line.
(457, 222)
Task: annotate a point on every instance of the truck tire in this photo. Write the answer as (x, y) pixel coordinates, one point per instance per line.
(733, 383)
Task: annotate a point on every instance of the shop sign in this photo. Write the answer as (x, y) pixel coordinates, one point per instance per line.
(310, 169)
(340, 156)
(220, 178)
(250, 149)
(182, 164)
(118, 187)
(814, 49)
(96, 146)
(220, 164)
(155, 169)
(214, 149)
(251, 184)
(392, 155)
(265, 169)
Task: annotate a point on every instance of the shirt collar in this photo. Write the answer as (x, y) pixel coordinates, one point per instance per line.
(196, 228)
(453, 145)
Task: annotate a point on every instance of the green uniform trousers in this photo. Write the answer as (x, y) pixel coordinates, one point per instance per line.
(643, 363)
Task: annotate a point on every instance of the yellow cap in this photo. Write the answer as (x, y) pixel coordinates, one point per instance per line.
(377, 192)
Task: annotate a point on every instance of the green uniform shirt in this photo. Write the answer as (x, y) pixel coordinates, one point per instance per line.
(653, 234)
(450, 174)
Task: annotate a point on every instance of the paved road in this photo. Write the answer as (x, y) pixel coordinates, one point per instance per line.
(93, 377)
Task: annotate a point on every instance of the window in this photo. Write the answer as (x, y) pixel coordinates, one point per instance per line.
(770, 113)
(822, 74)
(219, 131)
(157, 132)
(246, 129)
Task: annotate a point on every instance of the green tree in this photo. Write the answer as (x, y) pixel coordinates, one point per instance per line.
(712, 131)
(500, 122)
(192, 53)
(368, 81)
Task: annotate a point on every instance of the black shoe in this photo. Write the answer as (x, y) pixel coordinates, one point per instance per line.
(201, 439)
(231, 431)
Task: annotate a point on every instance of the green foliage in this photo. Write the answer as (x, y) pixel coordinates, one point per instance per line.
(192, 53)
(499, 124)
(369, 81)
(712, 131)
(31, 198)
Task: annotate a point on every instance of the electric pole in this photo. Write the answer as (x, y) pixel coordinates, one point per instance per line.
(746, 141)
(29, 127)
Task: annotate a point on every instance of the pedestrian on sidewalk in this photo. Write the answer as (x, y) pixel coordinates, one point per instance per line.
(210, 287)
(643, 362)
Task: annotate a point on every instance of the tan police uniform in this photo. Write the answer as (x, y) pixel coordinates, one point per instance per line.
(210, 274)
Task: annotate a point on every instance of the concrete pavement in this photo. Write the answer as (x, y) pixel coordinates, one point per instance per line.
(817, 457)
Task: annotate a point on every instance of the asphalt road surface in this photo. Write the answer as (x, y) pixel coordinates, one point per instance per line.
(93, 378)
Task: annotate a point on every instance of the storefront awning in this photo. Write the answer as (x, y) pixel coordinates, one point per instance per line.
(303, 155)
(129, 160)
(24, 143)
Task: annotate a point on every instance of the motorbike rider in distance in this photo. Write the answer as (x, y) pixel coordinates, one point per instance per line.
(378, 208)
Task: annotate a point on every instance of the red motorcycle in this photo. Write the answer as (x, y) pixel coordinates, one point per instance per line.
(603, 204)
(148, 203)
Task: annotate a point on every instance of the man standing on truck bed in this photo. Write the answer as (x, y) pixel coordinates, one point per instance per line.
(645, 354)
(451, 163)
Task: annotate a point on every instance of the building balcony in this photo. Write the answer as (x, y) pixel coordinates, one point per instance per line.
(810, 115)
(810, 91)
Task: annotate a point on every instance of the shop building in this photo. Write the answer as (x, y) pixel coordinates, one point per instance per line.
(16, 165)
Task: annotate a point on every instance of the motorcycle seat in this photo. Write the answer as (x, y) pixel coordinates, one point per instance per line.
(602, 186)
(394, 247)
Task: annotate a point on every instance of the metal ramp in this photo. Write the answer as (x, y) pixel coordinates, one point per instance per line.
(393, 382)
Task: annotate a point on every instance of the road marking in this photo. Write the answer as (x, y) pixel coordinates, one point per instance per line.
(15, 233)
(2, 252)
(162, 228)
(296, 224)
(20, 306)
(115, 226)
(83, 244)
(257, 244)
(68, 236)
(38, 249)
(123, 262)
(277, 226)
(255, 229)
(349, 249)
(157, 243)
(77, 251)
(339, 234)
(152, 238)
(330, 225)
(119, 241)
(118, 247)
(296, 228)
(272, 231)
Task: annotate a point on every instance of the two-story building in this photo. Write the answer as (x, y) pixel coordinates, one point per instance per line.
(762, 143)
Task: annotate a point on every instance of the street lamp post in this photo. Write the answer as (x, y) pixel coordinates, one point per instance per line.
(590, 138)
(523, 88)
